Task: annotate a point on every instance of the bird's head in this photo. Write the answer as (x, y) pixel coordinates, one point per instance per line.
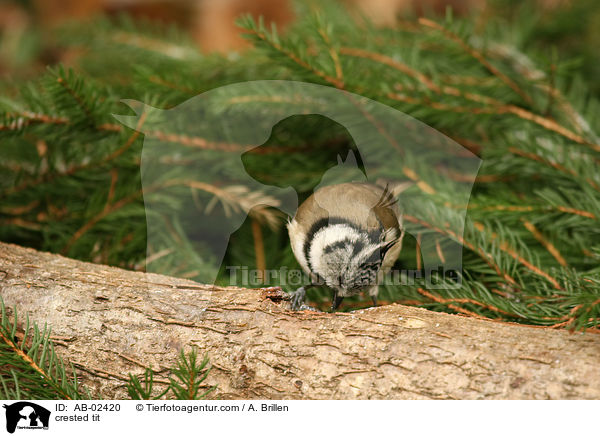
(347, 258)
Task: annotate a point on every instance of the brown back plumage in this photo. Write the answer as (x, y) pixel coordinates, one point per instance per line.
(372, 207)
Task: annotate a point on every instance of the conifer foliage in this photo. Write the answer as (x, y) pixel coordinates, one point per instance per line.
(71, 182)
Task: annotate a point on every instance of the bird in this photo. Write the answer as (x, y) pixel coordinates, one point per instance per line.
(346, 237)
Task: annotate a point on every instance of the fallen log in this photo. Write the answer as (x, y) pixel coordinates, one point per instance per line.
(110, 322)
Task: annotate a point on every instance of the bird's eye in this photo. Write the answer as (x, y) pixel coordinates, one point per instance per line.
(369, 266)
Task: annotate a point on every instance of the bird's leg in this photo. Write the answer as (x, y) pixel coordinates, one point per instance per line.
(336, 301)
(298, 298)
(373, 292)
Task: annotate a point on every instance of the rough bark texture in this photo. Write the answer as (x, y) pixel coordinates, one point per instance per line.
(111, 322)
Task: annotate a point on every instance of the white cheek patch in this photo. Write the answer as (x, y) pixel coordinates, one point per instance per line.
(332, 253)
(327, 237)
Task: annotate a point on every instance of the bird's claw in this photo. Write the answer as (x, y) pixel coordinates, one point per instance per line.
(297, 299)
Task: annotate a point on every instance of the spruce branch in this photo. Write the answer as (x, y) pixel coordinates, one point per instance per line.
(189, 377)
(259, 33)
(29, 366)
(477, 55)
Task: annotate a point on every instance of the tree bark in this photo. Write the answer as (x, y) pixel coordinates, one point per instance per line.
(110, 322)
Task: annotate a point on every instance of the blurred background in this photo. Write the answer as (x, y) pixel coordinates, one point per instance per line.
(28, 27)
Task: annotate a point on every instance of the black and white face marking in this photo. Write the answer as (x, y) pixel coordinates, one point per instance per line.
(345, 257)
